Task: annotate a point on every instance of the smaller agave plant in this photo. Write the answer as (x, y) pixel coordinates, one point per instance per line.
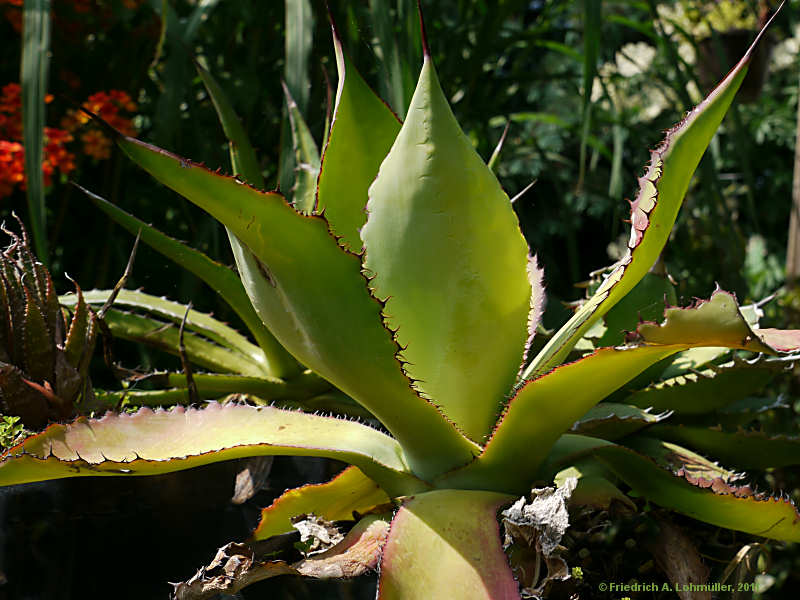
(44, 356)
(423, 308)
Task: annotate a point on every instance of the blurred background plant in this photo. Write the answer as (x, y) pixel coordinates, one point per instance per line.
(582, 87)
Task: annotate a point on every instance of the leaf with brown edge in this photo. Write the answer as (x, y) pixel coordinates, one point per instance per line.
(362, 132)
(543, 408)
(716, 322)
(713, 501)
(218, 277)
(444, 249)
(680, 460)
(289, 266)
(611, 420)
(150, 442)
(446, 544)
(748, 449)
(653, 212)
(350, 491)
(546, 407)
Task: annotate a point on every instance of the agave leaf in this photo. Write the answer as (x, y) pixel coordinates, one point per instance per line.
(710, 500)
(75, 344)
(350, 491)
(457, 288)
(340, 336)
(243, 157)
(362, 132)
(151, 442)
(693, 359)
(544, 408)
(611, 421)
(39, 344)
(748, 449)
(547, 406)
(704, 391)
(717, 322)
(653, 213)
(218, 277)
(165, 336)
(245, 164)
(446, 544)
(569, 450)
(196, 321)
(216, 385)
(680, 460)
(307, 163)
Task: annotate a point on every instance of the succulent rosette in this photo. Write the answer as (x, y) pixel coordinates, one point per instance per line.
(399, 274)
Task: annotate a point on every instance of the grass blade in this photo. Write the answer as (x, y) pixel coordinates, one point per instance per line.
(33, 72)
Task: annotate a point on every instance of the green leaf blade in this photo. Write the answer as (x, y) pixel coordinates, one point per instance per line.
(546, 407)
(444, 245)
(362, 133)
(150, 442)
(307, 162)
(334, 500)
(33, 76)
(289, 263)
(165, 336)
(446, 543)
(162, 308)
(217, 276)
(712, 501)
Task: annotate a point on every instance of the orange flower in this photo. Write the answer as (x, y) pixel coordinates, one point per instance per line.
(12, 167)
(55, 154)
(108, 106)
(56, 157)
(96, 144)
(11, 111)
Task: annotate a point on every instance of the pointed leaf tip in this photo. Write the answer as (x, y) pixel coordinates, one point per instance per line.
(426, 51)
(653, 213)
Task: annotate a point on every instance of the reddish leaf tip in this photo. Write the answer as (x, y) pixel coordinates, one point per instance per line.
(426, 51)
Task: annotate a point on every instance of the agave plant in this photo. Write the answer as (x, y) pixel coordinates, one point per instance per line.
(44, 358)
(404, 281)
